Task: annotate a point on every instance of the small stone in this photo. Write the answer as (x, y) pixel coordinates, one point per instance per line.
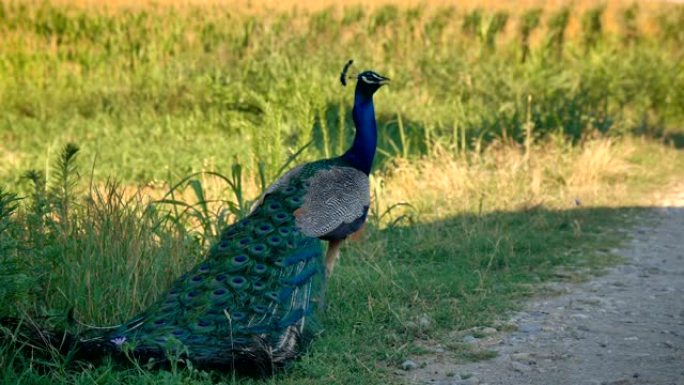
(488, 331)
(468, 381)
(669, 344)
(520, 356)
(529, 328)
(623, 381)
(469, 339)
(410, 325)
(633, 338)
(591, 301)
(580, 316)
(627, 269)
(563, 274)
(424, 321)
(409, 365)
(520, 367)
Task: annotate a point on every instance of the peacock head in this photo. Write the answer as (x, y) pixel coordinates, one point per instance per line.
(368, 82)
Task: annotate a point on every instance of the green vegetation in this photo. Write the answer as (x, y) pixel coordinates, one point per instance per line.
(158, 91)
(506, 154)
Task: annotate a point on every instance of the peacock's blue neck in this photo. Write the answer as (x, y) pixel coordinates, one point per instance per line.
(362, 151)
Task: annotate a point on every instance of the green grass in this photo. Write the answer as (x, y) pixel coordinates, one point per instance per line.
(462, 268)
(159, 91)
(482, 155)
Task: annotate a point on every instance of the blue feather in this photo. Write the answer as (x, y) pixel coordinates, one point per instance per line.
(302, 277)
(304, 255)
(291, 318)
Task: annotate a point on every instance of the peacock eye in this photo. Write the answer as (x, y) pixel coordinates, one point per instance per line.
(260, 268)
(239, 316)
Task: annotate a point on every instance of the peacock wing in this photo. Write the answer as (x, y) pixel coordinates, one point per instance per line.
(285, 180)
(336, 203)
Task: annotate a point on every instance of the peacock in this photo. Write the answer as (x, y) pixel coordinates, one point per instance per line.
(250, 305)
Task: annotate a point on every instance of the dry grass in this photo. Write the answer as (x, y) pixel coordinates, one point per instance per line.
(611, 17)
(322, 4)
(557, 175)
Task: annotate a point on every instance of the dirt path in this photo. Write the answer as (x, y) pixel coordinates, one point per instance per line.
(623, 328)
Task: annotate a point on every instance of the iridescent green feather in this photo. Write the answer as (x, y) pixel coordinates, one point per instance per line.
(253, 296)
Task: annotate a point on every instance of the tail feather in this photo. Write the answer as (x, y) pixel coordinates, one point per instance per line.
(258, 358)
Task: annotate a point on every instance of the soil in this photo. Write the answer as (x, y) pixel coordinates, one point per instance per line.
(622, 328)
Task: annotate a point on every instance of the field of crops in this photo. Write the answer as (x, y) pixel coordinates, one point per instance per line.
(512, 140)
(156, 91)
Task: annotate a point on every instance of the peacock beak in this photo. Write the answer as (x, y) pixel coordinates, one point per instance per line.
(384, 81)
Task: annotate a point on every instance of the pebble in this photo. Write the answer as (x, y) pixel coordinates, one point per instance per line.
(468, 381)
(580, 316)
(488, 331)
(409, 365)
(469, 339)
(591, 300)
(529, 328)
(424, 321)
(520, 356)
(520, 367)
